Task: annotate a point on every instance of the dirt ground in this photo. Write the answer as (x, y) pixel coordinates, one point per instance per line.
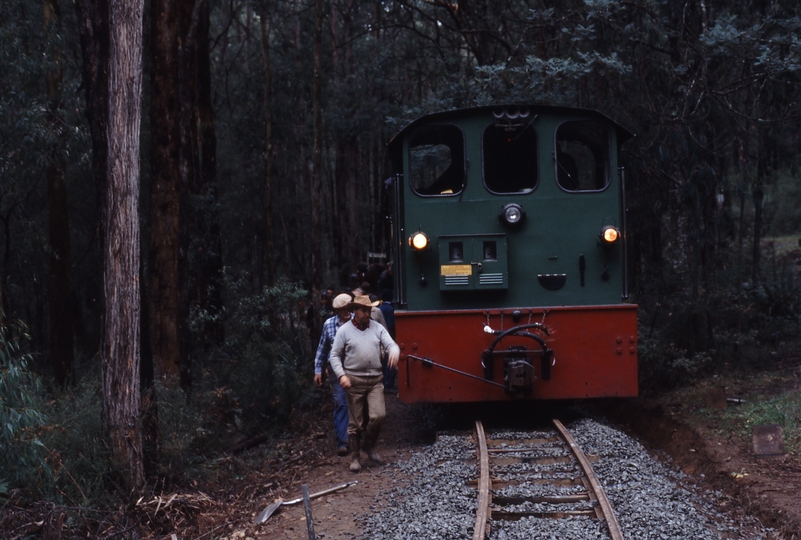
(338, 515)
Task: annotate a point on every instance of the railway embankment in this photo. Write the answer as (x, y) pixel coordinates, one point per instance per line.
(707, 430)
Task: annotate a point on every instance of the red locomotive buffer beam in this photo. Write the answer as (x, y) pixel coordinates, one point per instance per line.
(593, 354)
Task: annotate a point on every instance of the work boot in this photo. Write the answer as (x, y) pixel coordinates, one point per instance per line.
(369, 448)
(355, 443)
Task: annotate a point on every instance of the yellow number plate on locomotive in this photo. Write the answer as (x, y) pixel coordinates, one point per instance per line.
(456, 270)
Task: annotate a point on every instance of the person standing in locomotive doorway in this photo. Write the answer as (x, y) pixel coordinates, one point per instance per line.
(385, 280)
(321, 366)
(356, 360)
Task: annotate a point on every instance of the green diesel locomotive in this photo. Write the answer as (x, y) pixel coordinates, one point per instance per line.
(509, 242)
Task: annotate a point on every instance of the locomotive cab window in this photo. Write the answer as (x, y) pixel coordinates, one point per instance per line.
(436, 160)
(582, 156)
(510, 159)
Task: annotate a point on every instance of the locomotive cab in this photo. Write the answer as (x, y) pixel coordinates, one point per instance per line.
(509, 242)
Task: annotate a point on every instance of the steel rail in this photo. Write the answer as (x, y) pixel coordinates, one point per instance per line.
(482, 512)
(600, 494)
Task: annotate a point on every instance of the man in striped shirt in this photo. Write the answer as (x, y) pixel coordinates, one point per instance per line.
(330, 327)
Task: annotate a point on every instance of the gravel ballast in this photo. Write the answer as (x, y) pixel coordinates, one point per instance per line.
(651, 500)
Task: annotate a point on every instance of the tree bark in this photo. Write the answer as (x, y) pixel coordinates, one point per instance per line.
(317, 162)
(4, 267)
(94, 36)
(166, 188)
(94, 31)
(61, 338)
(745, 164)
(120, 346)
(268, 155)
(758, 195)
(209, 275)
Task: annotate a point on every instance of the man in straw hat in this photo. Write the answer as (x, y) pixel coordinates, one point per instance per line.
(356, 361)
(330, 327)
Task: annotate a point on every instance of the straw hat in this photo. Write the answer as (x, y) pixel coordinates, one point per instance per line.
(362, 301)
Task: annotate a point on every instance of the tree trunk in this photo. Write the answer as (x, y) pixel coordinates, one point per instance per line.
(209, 275)
(4, 267)
(268, 155)
(61, 339)
(744, 172)
(94, 30)
(758, 195)
(165, 188)
(316, 250)
(189, 18)
(94, 36)
(120, 341)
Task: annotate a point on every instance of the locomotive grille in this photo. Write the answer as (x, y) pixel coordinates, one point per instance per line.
(456, 280)
(490, 279)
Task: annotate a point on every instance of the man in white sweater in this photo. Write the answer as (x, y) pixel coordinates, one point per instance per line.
(356, 360)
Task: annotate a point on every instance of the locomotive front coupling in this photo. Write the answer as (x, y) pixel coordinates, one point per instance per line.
(518, 366)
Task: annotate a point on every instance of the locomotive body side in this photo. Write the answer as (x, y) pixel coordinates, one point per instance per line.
(519, 290)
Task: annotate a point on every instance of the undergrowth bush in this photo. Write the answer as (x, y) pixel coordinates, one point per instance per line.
(77, 451)
(664, 366)
(262, 372)
(21, 413)
(731, 324)
(180, 432)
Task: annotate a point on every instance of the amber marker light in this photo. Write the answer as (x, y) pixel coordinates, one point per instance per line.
(610, 235)
(418, 241)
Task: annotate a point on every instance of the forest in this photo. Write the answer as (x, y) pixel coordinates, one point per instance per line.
(181, 179)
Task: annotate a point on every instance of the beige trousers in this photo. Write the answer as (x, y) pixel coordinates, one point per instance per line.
(366, 408)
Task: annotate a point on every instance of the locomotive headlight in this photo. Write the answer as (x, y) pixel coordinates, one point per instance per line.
(610, 235)
(418, 241)
(512, 214)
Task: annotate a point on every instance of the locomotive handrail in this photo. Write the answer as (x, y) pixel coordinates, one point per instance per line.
(516, 330)
(625, 295)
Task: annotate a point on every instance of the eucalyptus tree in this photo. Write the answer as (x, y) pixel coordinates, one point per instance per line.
(171, 165)
(120, 348)
(61, 320)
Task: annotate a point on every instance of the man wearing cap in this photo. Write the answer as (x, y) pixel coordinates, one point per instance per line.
(330, 327)
(356, 360)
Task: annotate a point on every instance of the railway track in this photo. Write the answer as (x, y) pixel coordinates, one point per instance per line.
(533, 487)
(541, 475)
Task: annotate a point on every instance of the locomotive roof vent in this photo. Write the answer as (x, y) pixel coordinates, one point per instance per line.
(511, 117)
(511, 113)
